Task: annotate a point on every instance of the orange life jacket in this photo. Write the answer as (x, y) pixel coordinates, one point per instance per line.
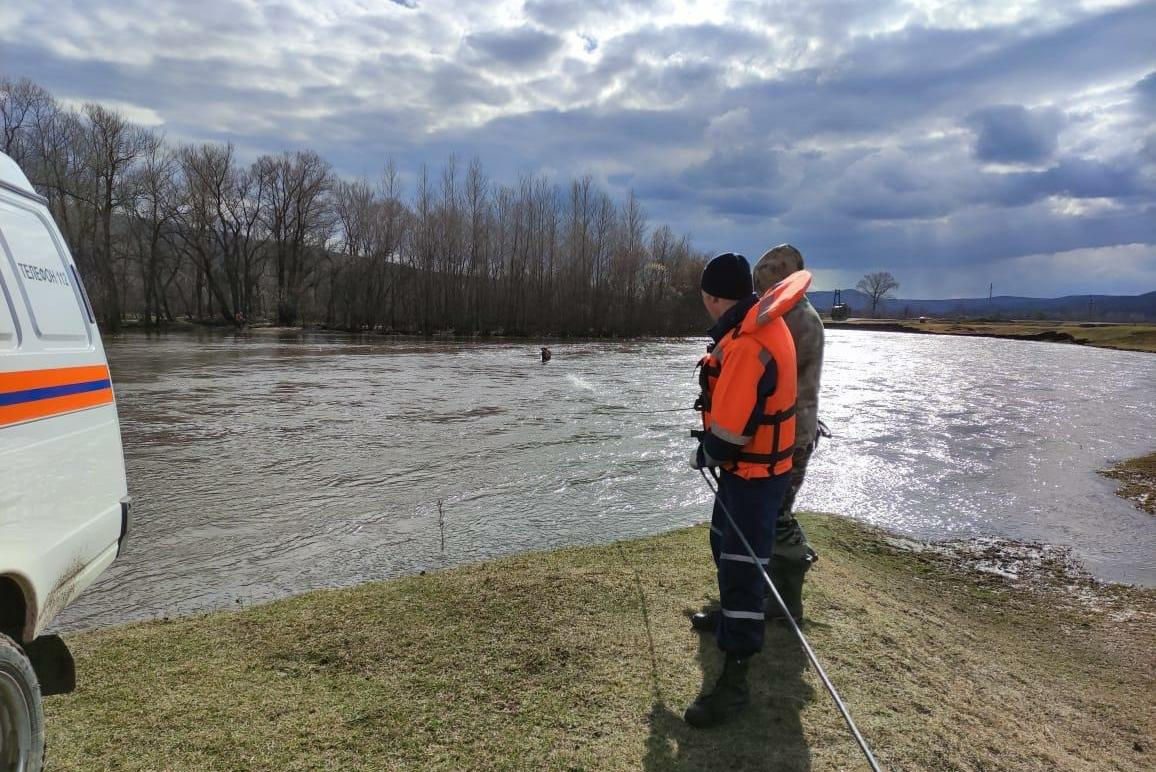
(737, 404)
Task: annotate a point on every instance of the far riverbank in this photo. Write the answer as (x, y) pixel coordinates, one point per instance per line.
(1122, 337)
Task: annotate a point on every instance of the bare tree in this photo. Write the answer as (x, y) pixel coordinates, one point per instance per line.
(877, 286)
(113, 144)
(423, 249)
(543, 252)
(217, 222)
(629, 258)
(356, 207)
(393, 230)
(451, 265)
(21, 101)
(153, 208)
(57, 169)
(297, 219)
(477, 206)
(578, 276)
(605, 224)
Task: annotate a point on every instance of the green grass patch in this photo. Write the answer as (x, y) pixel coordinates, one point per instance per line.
(583, 659)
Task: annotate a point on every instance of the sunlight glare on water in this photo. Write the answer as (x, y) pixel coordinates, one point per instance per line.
(268, 464)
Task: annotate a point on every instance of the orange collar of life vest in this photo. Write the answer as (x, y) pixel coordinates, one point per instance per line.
(777, 301)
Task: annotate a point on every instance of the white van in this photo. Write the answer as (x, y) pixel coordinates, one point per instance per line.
(64, 504)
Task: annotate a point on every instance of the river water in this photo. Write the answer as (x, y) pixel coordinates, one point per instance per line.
(267, 464)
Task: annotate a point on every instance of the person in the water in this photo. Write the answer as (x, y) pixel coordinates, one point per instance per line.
(748, 418)
(545, 354)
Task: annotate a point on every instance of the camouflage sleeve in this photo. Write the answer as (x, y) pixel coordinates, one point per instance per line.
(807, 329)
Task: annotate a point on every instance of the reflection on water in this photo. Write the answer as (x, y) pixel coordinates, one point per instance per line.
(265, 464)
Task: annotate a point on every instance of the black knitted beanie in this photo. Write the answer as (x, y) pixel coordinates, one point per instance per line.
(728, 276)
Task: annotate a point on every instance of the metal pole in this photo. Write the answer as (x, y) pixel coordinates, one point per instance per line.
(791, 620)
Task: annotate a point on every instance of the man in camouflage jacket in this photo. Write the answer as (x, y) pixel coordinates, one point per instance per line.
(793, 556)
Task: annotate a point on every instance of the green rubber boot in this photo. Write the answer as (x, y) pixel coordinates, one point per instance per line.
(730, 695)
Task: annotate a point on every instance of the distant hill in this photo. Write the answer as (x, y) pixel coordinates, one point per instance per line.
(1109, 308)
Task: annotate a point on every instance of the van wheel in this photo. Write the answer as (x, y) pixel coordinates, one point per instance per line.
(21, 712)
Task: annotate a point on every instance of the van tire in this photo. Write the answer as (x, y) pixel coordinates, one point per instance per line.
(21, 712)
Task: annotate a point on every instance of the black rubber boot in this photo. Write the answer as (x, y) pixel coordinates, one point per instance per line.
(788, 576)
(793, 558)
(705, 621)
(730, 695)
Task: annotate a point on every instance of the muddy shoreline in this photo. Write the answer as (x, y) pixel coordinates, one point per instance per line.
(1137, 478)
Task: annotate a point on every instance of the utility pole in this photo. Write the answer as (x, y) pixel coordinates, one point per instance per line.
(990, 289)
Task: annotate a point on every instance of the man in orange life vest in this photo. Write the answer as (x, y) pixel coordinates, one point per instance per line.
(748, 394)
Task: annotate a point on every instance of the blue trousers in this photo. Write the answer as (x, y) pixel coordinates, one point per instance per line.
(755, 505)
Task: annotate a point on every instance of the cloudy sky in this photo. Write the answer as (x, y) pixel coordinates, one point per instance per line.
(952, 143)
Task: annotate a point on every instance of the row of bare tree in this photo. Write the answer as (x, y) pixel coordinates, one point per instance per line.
(192, 232)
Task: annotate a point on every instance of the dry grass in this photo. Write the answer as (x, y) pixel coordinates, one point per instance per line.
(1137, 479)
(583, 659)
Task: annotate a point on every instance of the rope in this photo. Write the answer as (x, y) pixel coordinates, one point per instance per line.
(615, 411)
(651, 412)
(786, 613)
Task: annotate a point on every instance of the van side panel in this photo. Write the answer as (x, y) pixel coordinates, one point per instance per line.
(61, 462)
(9, 332)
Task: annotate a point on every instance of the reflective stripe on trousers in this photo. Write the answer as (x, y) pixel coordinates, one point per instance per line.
(755, 505)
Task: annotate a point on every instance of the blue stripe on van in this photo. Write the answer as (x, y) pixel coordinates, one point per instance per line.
(51, 392)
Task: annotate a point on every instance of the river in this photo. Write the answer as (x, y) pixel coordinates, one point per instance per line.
(265, 464)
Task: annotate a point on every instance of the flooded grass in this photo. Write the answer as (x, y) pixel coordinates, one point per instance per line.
(1137, 479)
(584, 659)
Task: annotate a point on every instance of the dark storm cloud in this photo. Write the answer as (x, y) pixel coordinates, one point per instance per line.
(734, 168)
(1073, 177)
(1014, 134)
(455, 84)
(753, 205)
(516, 47)
(572, 135)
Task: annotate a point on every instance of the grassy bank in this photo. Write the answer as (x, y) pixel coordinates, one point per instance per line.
(583, 659)
(1137, 479)
(1127, 337)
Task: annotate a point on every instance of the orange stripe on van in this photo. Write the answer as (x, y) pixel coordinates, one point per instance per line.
(60, 376)
(31, 392)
